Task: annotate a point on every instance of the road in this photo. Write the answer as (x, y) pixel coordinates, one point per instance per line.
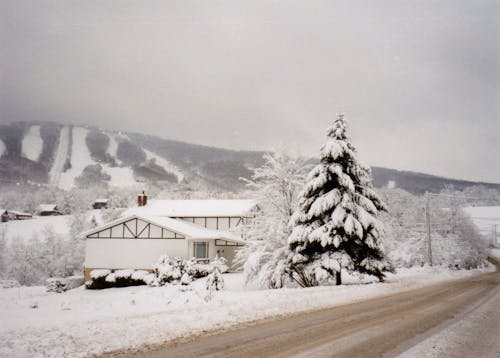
(381, 327)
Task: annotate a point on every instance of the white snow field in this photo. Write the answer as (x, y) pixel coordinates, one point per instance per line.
(485, 217)
(36, 227)
(2, 147)
(80, 158)
(32, 144)
(83, 322)
(113, 146)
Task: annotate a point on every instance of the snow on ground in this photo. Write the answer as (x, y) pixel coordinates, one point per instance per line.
(113, 146)
(162, 162)
(120, 176)
(485, 217)
(2, 147)
(32, 144)
(81, 322)
(80, 158)
(36, 227)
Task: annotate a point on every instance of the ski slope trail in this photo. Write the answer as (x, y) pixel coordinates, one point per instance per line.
(60, 157)
(383, 327)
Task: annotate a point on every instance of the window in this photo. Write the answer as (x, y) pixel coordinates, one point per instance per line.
(200, 250)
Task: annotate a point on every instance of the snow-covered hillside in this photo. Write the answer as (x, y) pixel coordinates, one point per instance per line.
(32, 144)
(80, 158)
(2, 147)
(33, 147)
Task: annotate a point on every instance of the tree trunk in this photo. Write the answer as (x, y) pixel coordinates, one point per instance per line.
(338, 278)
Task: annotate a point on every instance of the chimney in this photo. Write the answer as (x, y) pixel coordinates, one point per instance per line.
(142, 199)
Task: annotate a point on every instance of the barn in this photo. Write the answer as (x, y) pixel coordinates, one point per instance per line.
(203, 229)
(48, 210)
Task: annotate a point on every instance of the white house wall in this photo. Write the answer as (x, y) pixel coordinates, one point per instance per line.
(131, 253)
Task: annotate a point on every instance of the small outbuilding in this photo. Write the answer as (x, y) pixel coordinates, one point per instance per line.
(4, 215)
(100, 203)
(19, 215)
(48, 210)
(8, 215)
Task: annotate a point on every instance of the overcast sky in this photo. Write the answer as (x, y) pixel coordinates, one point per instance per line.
(419, 80)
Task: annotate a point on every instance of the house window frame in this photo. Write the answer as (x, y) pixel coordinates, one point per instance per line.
(207, 245)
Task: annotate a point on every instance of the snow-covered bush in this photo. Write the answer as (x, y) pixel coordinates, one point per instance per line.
(9, 284)
(62, 284)
(166, 271)
(176, 270)
(214, 282)
(100, 279)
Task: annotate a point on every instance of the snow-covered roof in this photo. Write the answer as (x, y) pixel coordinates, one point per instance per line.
(179, 226)
(101, 200)
(18, 213)
(194, 208)
(47, 207)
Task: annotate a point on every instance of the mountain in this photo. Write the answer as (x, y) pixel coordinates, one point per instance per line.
(75, 156)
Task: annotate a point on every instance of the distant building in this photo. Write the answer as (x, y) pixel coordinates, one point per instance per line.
(18, 215)
(4, 215)
(203, 229)
(48, 210)
(7, 215)
(100, 203)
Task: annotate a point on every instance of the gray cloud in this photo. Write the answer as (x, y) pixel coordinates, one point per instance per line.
(419, 80)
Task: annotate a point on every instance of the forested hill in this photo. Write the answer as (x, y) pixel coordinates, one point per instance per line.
(75, 156)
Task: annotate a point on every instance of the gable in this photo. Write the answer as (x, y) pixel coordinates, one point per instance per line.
(134, 228)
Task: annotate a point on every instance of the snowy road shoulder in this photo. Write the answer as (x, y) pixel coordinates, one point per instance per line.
(82, 322)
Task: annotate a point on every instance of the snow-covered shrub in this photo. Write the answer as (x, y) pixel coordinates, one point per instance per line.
(166, 271)
(177, 270)
(214, 282)
(9, 284)
(62, 284)
(100, 279)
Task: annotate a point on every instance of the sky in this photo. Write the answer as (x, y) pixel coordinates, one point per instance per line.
(419, 81)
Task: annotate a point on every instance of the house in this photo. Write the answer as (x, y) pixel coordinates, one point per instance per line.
(4, 215)
(7, 215)
(48, 210)
(100, 203)
(18, 215)
(203, 229)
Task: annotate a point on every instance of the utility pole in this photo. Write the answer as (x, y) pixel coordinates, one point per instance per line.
(428, 224)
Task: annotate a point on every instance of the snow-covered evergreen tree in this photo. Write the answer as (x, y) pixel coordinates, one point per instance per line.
(276, 186)
(336, 225)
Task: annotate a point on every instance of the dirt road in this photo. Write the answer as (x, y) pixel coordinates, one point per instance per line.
(382, 327)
